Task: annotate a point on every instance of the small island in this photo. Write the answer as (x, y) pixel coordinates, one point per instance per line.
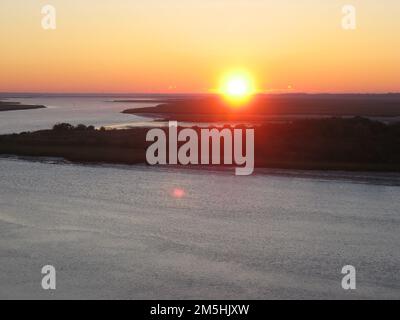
(13, 106)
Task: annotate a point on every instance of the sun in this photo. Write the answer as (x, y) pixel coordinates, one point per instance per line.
(237, 87)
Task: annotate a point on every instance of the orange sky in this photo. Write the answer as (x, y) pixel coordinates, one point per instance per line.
(188, 45)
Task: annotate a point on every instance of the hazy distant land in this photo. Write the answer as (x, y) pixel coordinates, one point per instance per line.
(149, 100)
(214, 108)
(12, 106)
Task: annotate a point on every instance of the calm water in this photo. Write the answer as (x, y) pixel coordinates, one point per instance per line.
(98, 110)
(118, 232)
(89, 110)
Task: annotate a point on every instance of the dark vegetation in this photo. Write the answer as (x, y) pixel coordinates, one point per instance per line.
(346, 144)
(80, 144)
(331, 144)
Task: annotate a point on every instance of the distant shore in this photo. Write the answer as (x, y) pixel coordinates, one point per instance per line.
(285, 106)
(13, 106)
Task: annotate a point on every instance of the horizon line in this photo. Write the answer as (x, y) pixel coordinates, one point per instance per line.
(196, 93)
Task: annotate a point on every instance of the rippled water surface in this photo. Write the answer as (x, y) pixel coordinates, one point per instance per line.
(124, 232)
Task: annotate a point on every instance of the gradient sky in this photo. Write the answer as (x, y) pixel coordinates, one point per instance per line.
(188, 45)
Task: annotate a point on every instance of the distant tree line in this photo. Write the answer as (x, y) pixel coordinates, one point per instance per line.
(70, 127)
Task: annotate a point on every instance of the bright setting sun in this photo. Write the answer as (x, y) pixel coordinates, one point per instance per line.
(237, 87)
